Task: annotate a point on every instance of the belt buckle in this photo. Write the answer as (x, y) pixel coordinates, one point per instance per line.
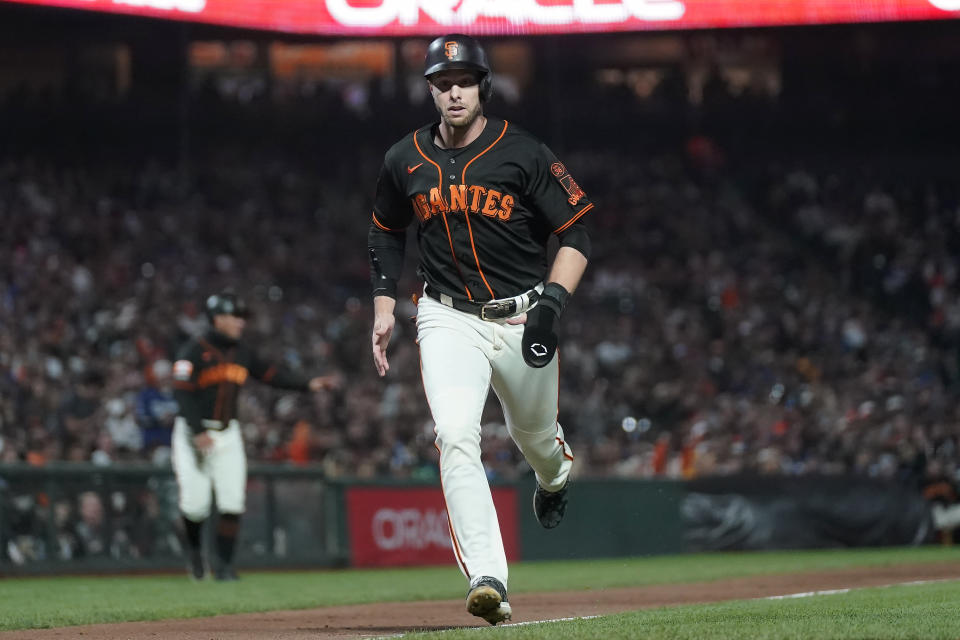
(497, 310)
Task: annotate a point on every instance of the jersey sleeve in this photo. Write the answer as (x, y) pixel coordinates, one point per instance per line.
(554, 193)
(391, 210)
(387, 237)
(276, 375)
(186, 368)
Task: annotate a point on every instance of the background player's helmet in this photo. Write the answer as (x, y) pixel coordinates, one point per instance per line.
(226, 303)
(457, 51)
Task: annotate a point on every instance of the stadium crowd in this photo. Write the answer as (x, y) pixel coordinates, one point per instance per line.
(787, 316)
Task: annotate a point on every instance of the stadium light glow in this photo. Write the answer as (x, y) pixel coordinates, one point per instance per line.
(495, 17)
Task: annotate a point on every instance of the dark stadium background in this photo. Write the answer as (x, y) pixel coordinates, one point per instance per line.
(774, 287)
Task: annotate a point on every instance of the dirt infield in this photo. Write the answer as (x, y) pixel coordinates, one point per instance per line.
(364, 621)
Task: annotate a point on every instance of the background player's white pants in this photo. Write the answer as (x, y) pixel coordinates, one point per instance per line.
(224, 469)
(461, 356)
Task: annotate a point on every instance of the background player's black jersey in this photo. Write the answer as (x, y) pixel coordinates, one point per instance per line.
(485, 210)
(209, 372)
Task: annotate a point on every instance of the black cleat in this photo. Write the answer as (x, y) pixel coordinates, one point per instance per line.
(196, 567)
(549, 506)
(226, 573)
(487, 599)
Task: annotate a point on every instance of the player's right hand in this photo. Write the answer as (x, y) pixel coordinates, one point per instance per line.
(321, 383)
(383, 324)
(203, 442)
(520, 319)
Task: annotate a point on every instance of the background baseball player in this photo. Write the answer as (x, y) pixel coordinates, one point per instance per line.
(207, 445)
(487, 197)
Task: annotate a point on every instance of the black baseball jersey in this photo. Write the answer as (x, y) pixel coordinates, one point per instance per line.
(209, 372)
(485, 211)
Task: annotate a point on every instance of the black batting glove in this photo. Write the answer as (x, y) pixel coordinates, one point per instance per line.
(539, 343)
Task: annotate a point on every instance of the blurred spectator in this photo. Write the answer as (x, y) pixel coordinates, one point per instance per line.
(756, 301)
(90, 529)
(156, 408)
(125, 435)
(82, 413)
(299, 447)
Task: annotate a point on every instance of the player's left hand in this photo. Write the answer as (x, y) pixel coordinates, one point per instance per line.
(539, 342)
(320, 383)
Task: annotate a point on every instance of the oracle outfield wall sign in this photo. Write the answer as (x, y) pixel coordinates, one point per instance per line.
(423, 17)
(408, 526)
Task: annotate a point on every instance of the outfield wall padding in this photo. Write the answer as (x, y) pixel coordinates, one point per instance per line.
(606, 518)
(81, 518)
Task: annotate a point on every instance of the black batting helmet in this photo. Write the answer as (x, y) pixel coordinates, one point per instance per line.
(457, 51)
(226, 303)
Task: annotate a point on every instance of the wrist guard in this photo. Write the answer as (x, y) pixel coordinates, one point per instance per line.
(539, 343)
(554, 297)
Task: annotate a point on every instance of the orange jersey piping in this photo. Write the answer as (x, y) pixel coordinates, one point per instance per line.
(218, 407)
(209, 346)
(575, 217)
(466, 215)
(463, 176)
(563, 445)
(442, 213)
(383, 226)
(457, 552)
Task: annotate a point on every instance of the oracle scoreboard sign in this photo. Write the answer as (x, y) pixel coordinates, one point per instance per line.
(424, 17)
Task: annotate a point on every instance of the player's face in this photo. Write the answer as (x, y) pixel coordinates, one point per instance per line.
(230, 326)
(456, 93)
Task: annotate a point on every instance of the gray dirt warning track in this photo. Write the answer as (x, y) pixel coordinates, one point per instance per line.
(392, 618)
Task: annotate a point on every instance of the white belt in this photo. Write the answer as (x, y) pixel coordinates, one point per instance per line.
(491, 309)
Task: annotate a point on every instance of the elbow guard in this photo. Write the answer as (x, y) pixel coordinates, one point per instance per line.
(386, 260)
(380, 283)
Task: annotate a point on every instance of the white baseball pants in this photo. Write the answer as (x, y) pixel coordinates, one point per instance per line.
(461, 357)
(223, 469)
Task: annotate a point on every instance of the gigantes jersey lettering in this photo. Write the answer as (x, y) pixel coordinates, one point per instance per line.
(485, 211)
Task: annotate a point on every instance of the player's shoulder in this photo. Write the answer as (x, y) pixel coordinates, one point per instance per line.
(187, 361)
(406, 146)
(189, 350)
(516, 136)
(511, 130)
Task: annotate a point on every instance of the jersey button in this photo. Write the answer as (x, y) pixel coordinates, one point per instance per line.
(453, 161)
(453, 177)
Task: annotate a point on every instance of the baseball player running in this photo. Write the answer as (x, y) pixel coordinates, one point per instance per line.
(207, 444)
(486, 196)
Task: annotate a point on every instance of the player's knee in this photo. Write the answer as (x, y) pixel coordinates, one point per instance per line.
(534, 427)
(196, 511)
(457, 443)
(231, 504)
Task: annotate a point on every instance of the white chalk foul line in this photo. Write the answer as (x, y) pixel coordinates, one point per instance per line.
(804, 594)
(521, 624)
(830, 592)
(511, 624)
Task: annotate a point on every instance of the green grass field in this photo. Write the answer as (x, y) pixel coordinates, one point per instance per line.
(923, 611)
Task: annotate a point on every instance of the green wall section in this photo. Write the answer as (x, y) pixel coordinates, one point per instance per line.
(605, 519)
(297, 517)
